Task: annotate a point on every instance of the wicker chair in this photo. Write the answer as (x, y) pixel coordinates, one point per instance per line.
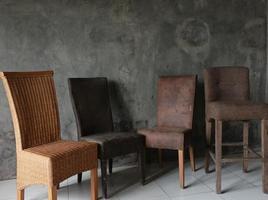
(42, 157)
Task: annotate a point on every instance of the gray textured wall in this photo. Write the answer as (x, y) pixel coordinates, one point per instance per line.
(131, 42)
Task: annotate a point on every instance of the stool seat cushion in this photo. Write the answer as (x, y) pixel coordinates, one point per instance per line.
(236, 110)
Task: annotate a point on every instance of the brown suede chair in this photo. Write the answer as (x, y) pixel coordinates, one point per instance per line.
(175, 106)
(92, 108)
(227, 98)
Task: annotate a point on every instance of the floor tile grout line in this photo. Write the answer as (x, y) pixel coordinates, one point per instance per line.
(243, 178)
(163, 190)
(211, 189)
(187, 195)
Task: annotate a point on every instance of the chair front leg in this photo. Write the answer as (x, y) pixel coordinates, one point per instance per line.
(218, 152)
(181, 167)
(52, 192)
(104, 181)
(94, 183)
(20, 194)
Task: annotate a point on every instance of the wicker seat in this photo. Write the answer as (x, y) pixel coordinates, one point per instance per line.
(42, 157)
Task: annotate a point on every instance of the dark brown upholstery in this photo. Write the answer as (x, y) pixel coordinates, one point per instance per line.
(175, 107)
(114, 144)
(91, 103)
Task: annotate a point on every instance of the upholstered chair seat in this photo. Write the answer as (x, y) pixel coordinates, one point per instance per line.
(236, 110)
(112, 144)
(166, 137)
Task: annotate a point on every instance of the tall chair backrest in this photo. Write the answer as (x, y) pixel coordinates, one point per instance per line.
(226, 84)
(91, 103)
(175, 101)
(33, 105)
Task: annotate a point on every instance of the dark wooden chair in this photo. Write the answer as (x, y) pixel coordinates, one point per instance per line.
(227, 98)
(92, 108)
(175, 106)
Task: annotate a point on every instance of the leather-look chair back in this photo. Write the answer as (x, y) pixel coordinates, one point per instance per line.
(226, 84)
(34, 109)
(175, 101)
(91, 103)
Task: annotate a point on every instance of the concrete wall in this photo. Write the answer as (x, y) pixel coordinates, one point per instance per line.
(131, 42)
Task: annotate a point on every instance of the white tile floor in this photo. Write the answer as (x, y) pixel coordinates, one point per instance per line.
(125, 185)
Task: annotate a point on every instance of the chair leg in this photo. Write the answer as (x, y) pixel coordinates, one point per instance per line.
(218, 152)
(104, 180)
(245, 145)
(52, 192)
(141, 155)
(94, 183)
(208, 141)
(160, 158)
(79, 177)
(110, 166)
(20, 194)
(264, 142)
(192, 158)
(181, 167)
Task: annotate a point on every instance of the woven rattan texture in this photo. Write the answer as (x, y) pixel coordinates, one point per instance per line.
(42, 157)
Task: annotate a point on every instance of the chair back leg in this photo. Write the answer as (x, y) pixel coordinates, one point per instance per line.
(94, 183)
(192, 159)
(104, 181)
(141, 155)
(245, 145)
(110, 166)
(79, 177)
(218, 151)
(208, 143)
(20, 194)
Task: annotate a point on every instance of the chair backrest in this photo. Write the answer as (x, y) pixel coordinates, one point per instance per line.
(226, 83)
(33, 105)
(91, 104)
(175, 101)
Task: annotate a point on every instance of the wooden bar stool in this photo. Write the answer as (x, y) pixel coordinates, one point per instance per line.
(227, 98)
